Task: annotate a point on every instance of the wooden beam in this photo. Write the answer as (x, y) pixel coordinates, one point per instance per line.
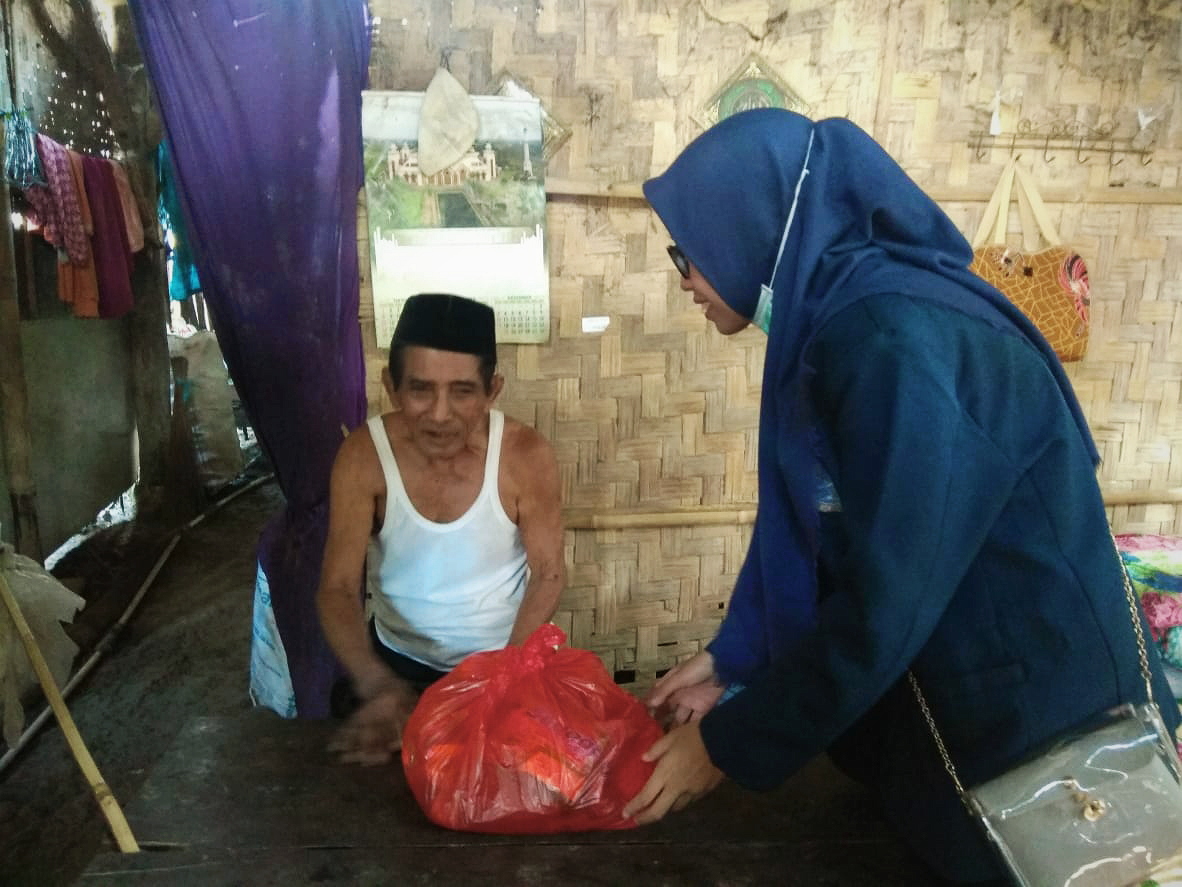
(102, 792)
(1143, 497)
(585, 188)
(743, 513)
(586, 519)
(1141, 196)
(939, 193)
(14, 406)
(886, 69)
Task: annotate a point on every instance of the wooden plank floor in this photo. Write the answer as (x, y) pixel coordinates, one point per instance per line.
(252, 799)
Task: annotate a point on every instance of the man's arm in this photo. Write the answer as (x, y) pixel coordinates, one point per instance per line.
(534, 472)
(354, 487)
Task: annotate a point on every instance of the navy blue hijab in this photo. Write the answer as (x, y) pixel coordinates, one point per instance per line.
(860, 227)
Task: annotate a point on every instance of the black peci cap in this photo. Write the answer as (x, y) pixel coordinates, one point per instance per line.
(449, 323)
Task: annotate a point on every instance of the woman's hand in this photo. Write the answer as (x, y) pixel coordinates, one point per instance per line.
(686, 692)
(689, 704)
(684, 773)
(695, 670)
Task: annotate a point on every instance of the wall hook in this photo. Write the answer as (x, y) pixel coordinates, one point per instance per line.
(1146, 158)
(979, 151)
(1079, 155)
(1046, 151)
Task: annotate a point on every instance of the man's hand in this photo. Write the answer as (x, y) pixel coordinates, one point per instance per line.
(686, 692)
(684, 773)
(373, 734)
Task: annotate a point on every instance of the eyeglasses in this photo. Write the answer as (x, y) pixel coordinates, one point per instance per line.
(679, 260)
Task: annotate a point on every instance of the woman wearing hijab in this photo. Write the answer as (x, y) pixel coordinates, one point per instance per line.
(927, 497)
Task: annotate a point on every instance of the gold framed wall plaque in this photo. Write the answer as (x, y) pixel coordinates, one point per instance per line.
(754, 84)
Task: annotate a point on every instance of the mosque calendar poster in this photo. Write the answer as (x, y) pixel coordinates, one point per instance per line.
(475, 228)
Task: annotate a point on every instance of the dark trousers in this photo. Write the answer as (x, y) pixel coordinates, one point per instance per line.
(857, 754)
(345, 700)
(416, 673)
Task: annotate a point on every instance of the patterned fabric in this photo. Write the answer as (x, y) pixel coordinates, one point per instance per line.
(22, 166)
(80, 189)
(62, 216)
(1171, 647)
(1049, 286)
(1164, 611)
(1154, 565)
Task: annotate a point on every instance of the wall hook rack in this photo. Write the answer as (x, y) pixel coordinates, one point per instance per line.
(1085, 142)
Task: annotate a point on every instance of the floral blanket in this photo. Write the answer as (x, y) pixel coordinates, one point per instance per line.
(1154, 564)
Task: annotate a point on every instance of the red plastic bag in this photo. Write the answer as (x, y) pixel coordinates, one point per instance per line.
(528, 740)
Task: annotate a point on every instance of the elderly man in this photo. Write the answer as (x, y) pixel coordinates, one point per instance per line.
(449, 509)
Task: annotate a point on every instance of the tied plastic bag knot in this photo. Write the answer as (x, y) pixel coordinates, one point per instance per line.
(540, 646)
(528, 740)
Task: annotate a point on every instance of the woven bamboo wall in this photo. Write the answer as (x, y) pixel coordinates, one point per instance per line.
(658, 414)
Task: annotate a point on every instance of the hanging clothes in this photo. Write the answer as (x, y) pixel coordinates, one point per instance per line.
(22, 166)
(86, 209)
(77, 283)
(55, 204)
(182, 279)
(131, 210)
(112, 254)
(62, 212)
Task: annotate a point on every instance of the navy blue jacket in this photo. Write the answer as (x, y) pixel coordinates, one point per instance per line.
(971, 546)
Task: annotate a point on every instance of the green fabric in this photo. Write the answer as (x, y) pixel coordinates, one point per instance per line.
(182, 278)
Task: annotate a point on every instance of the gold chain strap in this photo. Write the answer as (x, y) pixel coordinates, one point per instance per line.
(927, 716)
(1142, 652)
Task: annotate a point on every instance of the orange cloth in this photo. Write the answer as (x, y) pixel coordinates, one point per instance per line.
(77, 284)
(131, 210)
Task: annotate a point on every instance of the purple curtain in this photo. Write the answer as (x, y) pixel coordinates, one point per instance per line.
(261, 105)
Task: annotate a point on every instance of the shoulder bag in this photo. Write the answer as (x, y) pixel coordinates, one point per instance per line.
(1101, 807)
(1049, 283)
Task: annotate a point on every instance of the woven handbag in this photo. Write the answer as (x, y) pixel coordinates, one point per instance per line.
(1101, 807)
(1046, 280)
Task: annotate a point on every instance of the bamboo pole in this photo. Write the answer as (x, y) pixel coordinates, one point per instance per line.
(680, 517)
(940, 193)
(887, 65)
(108, 640)
(583, 188)
(744, 513)
(14, 407)
(110, 807)
(1143, 497)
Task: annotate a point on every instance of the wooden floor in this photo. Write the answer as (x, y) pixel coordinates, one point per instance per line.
(252, 799)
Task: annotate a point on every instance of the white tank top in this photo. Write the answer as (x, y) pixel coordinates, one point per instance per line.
(441, 591)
